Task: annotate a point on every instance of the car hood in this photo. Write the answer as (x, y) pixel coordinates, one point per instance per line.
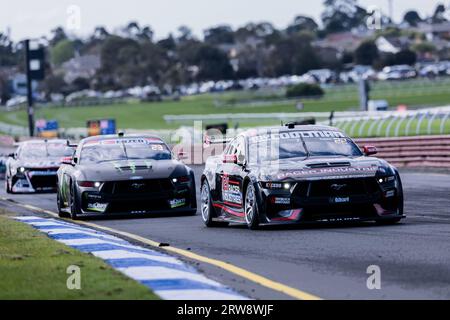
(131, 169)
(318, 168)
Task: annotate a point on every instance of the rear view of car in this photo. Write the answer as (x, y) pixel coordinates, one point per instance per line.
(32, 168)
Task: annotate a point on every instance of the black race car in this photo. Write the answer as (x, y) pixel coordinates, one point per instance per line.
(32, 168)
(298, 174)
(118, 174)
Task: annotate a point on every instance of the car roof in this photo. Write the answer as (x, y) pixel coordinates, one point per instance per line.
(117, 136)
(62, 141)
(251, 132)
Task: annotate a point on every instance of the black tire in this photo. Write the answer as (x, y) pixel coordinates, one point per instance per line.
(61, 213)
(7, 187)
(251, 207)
(73, 203)
(206, 208)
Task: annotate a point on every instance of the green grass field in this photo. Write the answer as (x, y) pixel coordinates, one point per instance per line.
(33, 266)
(414, 93)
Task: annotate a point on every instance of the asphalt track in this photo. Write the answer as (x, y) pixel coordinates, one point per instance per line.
(327, 261)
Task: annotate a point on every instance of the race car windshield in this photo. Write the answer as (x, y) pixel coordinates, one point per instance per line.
(49, 150)
(292, 145)
(96, 153)
(332, 147)
(273, 150)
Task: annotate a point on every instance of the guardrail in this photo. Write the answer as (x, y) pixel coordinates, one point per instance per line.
(419, 151)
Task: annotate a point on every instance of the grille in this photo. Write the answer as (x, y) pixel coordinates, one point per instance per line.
(138, 187)
(337, 188)
(44, 181)
(144, 206)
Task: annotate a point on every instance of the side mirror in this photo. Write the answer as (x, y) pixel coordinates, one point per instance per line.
(11, 155)
(230, 158)
(75, 160)
(67, 160)
(370, 150)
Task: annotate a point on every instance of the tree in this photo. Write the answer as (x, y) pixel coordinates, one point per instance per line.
(58, 34)
(53, 84)
(412, 18)
(302, 23)
(184, 34)
(62, 52)
(439, 14)
(219, 35)
(366, 53)
(293, 55)
(168, 44)
(213, 64)
(406, 57)
(342, 15)
(7, 55)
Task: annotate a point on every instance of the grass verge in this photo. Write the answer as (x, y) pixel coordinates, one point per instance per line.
(33, 266)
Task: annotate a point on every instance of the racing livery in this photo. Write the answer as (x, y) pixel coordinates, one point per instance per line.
(33, 166)
(298, 174)
(124, 174)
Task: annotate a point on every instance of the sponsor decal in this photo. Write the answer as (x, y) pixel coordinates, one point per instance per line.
(41, 173)
(231, 191)
(341, 200)
(98, 207)
(277, 200)
(296, 135)
(176, 203)
(145, 141)
(390, 193)
(138, 185)
(329, 172)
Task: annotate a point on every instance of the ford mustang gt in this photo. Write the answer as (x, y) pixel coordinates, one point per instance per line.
(33, 166)
(124, 174)
(298, 174)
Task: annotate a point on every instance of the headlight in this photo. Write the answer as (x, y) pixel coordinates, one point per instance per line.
(276, 185)
(383, 180)
(184, 179)
(89, 184)
(21, 170)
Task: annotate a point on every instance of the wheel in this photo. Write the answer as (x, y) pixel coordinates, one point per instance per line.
(207, 209)
(73, 203)
(7, 187)
(251, 208)
(61, 213)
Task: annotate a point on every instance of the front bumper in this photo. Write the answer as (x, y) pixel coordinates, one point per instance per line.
(161, 198)
(317, 201)
(34, 181)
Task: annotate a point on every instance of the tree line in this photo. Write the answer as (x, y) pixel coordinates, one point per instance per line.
(133, 57)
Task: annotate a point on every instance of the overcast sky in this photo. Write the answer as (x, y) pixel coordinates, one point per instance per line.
(27, 18)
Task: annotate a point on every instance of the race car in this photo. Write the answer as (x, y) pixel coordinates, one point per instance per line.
(32, 167)
(298, 174)
(124, 174)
